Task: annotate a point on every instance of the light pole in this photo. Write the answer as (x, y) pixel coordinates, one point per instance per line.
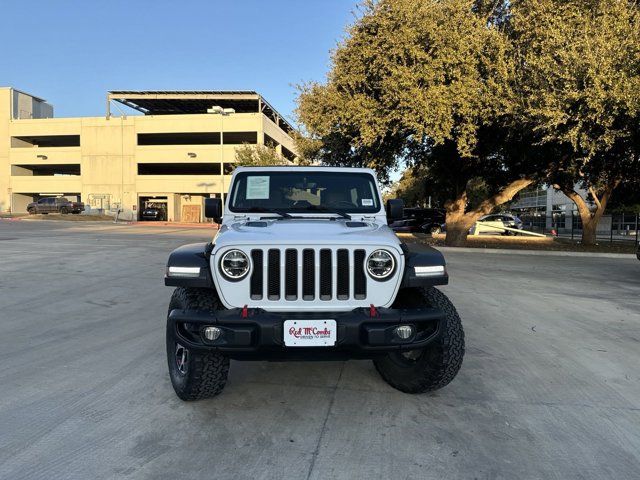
(223, 112)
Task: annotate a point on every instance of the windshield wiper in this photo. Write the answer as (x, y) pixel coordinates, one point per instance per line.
(269, 210)
(316, 208)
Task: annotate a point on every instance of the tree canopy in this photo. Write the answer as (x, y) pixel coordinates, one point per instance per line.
(249, 155)
(578, 71)
(409, 72)
(499, 93)
(578, 68)
(426, 83)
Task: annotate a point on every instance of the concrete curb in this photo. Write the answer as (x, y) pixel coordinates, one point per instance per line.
(124, 223)
(174, 225)
(549, 253)
(67, 222)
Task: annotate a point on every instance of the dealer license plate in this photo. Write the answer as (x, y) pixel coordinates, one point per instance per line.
(310, 333)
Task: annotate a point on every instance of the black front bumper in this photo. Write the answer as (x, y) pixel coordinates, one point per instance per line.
(255, 334)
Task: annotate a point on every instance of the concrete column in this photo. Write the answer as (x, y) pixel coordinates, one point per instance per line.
(549, 215)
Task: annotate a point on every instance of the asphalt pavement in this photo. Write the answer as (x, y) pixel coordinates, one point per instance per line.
(549, 389)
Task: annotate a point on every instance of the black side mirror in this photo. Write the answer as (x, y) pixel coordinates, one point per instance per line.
(395, 209)
(213, 209)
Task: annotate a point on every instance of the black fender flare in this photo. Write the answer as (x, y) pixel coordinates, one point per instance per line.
(191, 255)
(429, 257)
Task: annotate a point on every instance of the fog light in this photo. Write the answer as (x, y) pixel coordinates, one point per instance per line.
(404, 331)
(211, 333)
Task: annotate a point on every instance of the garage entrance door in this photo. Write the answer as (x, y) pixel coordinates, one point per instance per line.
(153, 208)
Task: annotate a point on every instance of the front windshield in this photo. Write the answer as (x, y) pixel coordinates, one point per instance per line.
(304, 191)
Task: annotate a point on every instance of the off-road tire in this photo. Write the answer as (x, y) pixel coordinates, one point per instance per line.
(64, 211)
(438, 363)
(206, 373)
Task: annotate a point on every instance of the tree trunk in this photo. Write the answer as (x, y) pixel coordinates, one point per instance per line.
(459, 222)
(591, 219)
(457, 232)
(589, 229)
(590, 222)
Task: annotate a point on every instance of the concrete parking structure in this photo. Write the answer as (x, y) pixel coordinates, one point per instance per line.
(174, 148)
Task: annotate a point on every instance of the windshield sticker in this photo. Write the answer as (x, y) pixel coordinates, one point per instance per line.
(257, 188)
(367, 202)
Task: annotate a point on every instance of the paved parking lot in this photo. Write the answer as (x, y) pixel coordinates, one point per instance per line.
(550, 386)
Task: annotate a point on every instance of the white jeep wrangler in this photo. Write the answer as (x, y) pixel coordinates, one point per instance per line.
(304, 267)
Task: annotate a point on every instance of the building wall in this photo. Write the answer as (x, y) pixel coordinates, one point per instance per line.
(5, 167)
(109, 156)
(26, 106)
(545, 201)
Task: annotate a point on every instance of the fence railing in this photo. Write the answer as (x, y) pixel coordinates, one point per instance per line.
(616, 227)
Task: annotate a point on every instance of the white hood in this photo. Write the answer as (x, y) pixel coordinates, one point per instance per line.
(305, 231)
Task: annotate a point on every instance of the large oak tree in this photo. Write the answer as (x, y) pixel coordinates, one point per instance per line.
(501, 94)
(578, 75)
(429, 83)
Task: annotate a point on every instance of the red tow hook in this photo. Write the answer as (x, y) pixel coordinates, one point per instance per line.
(245, 312)
(373, 312)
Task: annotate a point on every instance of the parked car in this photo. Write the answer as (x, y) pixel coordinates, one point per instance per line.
(305, 267)
(424, 220)
(414, 225)
(154, 212)
(405, 226)
(491, 224)
(54, 205)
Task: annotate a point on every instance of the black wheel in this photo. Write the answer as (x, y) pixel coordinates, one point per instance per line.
(64, 210)
(195, 375)
(436, 230)
(435, 366)
(31, 211)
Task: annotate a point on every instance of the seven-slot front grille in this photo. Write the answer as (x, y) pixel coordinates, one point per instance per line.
(309, 274)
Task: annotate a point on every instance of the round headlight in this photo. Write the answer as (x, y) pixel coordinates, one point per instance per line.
(380, 264)
(234, 264)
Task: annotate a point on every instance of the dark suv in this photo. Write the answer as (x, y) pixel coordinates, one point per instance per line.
(420, 220)
(55, 205)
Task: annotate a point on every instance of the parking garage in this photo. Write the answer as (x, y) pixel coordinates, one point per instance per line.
(166, 147)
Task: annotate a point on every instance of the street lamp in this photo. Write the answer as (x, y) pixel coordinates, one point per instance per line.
(223, 112)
